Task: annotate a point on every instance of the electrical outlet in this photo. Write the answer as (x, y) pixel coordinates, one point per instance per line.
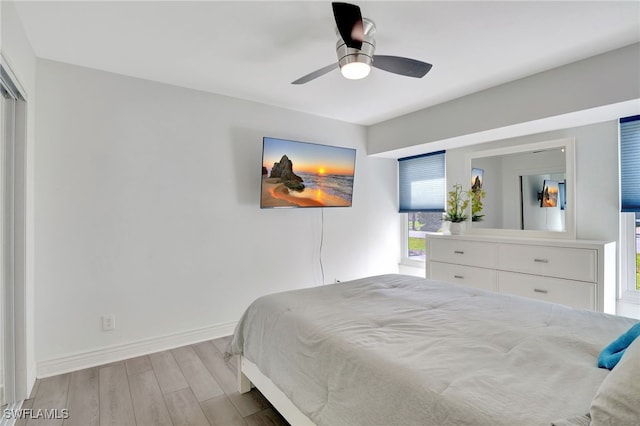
(108, 322)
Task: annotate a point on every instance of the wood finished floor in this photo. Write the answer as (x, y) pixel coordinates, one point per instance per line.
(190, 385)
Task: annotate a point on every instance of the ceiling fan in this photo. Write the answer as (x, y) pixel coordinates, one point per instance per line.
(356, 46)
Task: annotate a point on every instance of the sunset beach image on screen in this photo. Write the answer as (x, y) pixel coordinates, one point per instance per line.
(303, 174)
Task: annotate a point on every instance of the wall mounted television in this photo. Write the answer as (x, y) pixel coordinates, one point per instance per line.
(549, 193)
(303, 174)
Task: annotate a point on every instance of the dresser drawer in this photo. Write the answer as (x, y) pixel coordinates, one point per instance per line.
(576, 294)
(469, 253)
(466, 275)
(560, 262)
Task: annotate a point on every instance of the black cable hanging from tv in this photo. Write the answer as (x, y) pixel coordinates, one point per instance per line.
(321, 243)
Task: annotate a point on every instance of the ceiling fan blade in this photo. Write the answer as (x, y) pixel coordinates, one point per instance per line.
(349, 23)
(403, 66)
(317, 73)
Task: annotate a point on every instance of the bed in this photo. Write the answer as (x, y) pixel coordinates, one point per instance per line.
(401, 350)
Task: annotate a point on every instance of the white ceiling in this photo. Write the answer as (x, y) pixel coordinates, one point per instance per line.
(253, 50)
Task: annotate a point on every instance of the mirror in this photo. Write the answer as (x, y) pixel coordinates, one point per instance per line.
(529, 189)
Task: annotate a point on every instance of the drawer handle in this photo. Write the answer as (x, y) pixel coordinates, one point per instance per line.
(458, 252)
(541, 260)
(537, 290)
(460, 277)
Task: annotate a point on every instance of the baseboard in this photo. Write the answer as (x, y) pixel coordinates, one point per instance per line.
(80, 361)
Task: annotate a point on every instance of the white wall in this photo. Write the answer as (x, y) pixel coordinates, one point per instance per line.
(148, 209)
(20, 58)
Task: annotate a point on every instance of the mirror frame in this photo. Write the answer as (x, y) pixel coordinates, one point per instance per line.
(570, 170)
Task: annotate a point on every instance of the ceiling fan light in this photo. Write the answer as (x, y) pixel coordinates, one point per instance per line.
(355, 70)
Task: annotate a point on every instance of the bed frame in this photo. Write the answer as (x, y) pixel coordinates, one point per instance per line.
(249, 375)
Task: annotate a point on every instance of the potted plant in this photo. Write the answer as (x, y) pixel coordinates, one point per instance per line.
(476, 195)
(457, 204)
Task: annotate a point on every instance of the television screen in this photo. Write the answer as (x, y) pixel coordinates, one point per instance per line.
(302, 174)
(549, 193)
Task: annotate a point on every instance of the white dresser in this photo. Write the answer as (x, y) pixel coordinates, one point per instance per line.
(580, 274)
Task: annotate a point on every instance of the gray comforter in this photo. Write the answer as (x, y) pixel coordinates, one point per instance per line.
(399, 350)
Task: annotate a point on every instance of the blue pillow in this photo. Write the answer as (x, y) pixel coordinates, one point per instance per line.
(610, 355)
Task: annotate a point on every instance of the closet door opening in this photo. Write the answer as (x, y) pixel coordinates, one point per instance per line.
(7, 135)
(13, 367)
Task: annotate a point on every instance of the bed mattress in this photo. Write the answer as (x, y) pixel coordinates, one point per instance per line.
(401, 350)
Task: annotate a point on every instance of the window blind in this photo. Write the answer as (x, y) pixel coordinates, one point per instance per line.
(421, 183)
(630, 164)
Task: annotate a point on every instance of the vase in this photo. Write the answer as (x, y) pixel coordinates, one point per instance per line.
(445, 227)
(457, 228)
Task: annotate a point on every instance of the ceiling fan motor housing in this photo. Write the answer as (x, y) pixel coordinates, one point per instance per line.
(347, 55)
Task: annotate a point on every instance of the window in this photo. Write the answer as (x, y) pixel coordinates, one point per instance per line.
(630, 208)
(418, 225)
(630, 256)
(421, 193)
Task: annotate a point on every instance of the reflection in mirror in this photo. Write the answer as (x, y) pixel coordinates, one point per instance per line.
(541, 206)
(516, 197)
